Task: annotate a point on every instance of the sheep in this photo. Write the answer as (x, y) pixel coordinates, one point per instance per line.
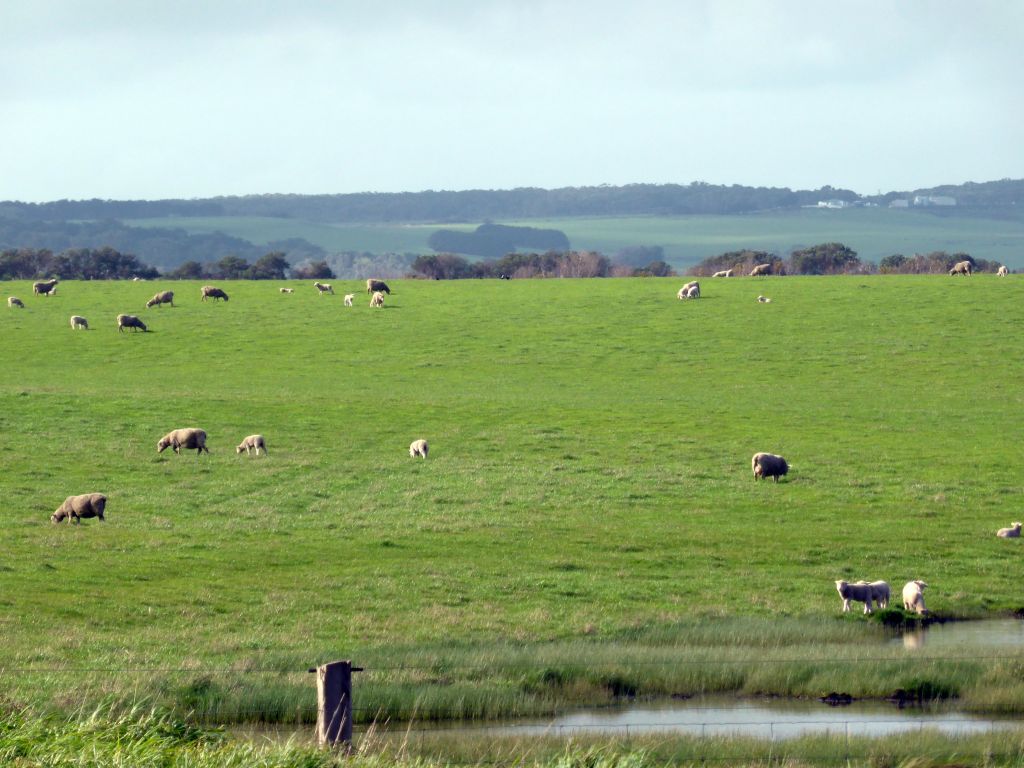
(879, 592)
(251, 442)
(324, 288)
(1013, 532)
(189, 437)
(45, 287)
(689, 291)
(961, 268)
(209, 291)
(1002, 271)
(373, 286)
(761, 269)
(75, 508)
(861, 592)
(768, 465)
(164, 297)
(129, 321)
(287, 290)
(723, 273)
(77, 321)
(419, 448)
(913, 596)
(14, 301)
(764, 300)
(377, 300)
(349, 298)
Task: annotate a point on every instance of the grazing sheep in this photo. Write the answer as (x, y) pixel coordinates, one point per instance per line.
(961, 268)
(83, 505)
(1002, 271)
(209, 291)
(1013, 532)
(14, 301)
(164, 297)
(348, 299)
(377, 299)
(913, 597)
(189, 437)
(861, 592)
(287, 290)
(129, 321)
(689, 291)
(419, 448)
(372, 286)
(45, 287)
(768, 465)
(764, 300)
(723, 273)
(879, 592)
(324, 288)
(77, 321)
(761, 269)
(252, 441)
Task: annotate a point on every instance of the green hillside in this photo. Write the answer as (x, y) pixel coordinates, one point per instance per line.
(588, 494)
(873, 232)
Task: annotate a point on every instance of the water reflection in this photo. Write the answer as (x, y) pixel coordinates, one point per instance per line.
(991, 633)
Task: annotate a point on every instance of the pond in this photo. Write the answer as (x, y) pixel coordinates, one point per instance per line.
(990, 633)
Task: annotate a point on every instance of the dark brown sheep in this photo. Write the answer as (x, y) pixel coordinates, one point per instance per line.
(45, 287)
(768, 465)
(212, 292)
(130, 321)
(373, 286)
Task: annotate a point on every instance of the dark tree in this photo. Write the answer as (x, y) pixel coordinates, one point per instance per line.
(314, 270)
(824, 259)
(273, 266)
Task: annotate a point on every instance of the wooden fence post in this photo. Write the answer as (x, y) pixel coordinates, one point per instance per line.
(334, 703)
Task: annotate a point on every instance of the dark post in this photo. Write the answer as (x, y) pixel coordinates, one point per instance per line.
(334, 703)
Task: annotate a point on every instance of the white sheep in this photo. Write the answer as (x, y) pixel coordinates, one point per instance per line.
(1002, 271)
(1013, 532)
(879, 592)
(188, 437)
(287, 290)
(723, 273)
(913, 596)
(419, 448)
(861, 592)
(689, 291)
(764, 300)
(77, 321)
(252, 442)
(377, 300)
(348, 299)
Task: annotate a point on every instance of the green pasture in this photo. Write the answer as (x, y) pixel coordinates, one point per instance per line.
(586, 524)
(873, 232)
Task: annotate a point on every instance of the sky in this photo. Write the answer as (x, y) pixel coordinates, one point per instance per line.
(149, 99)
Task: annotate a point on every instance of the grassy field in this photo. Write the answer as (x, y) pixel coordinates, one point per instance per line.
(586, 524)
(873, 232)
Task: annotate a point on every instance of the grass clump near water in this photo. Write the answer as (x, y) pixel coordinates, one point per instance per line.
(587, 523)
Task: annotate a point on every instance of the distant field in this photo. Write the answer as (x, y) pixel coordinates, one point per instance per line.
(587, 515)
(873, 232)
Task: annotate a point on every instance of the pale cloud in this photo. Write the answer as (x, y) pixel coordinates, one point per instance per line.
(191, 99)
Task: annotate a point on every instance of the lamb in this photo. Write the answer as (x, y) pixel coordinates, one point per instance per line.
(209, 291)
(768, 465)
(689, 291)
(377, 300)
(961, 268)
(189, 438)
(77, 321)
(861, 592)
(348, 299)
(372, 286)
(251, 442)
(287, 290)
(418, 448)
(913, 597)
(764, 300)
(129, 321)
(723, 273)
(75, 508)
(324, 288)
(879, 592)
(164, 297)
(1002, 271)
(1013, 532)
(761, 269)
(14, 301)
(45, 287)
